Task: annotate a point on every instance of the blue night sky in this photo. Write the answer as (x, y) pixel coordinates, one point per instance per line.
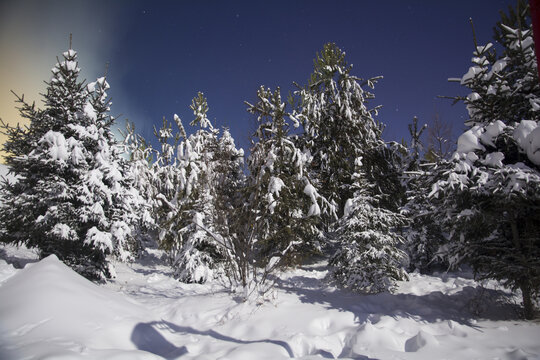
(161, 53)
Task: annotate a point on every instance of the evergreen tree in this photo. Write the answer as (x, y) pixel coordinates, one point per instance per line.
(71, 197)
(228, 184)
(141, 171)
(339, 128)
(423, 235)
(198, 179)
(283, 200)
(339, 131)
(490, 195)
(504, 87)
(369, 259)
(169, 180)
(489, 201)
(199, 253)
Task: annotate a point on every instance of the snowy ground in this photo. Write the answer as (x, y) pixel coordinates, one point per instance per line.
(49, 312)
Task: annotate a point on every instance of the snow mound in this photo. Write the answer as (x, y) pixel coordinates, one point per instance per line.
(47, 308)
(6, 270)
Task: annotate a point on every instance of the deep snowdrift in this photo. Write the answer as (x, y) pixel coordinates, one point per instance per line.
(49, 309)
(49, 312)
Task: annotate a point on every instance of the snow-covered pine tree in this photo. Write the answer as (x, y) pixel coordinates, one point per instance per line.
(121, 201)
(283, 202)
(503, 87)
(141, 171)
(228, 184)
(200, 253)
(71, 197)
(423, 235)
(198, 187)
(369, 259)
(169, 183)
(491, 195)
(339, 128)
(229, 175)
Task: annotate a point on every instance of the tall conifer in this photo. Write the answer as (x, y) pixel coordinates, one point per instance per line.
(71, 197)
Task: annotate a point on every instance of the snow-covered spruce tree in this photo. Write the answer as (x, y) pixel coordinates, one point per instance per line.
(229, 177)
(369, 259)
(283, 201)
(491, 196)
(197, 182)
(504, 87)
(228, 186)
(339, 128)
(168, 182)
(71, 197)
(199, 254)
(141, 171)
(121, 201)
(423, 235)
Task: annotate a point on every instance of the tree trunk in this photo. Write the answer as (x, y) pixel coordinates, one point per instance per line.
(515, 234)
(527, 299)
(524, 285)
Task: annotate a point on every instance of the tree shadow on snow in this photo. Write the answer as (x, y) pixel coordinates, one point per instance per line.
(151, 263)
(461, 307)
(147, 338)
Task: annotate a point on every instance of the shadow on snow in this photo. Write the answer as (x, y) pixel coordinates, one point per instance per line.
(461, 307)
(146, 337)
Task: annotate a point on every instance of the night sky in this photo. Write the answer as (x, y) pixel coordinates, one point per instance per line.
(161, 53)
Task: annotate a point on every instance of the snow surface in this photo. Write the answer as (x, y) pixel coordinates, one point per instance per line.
(49, 312)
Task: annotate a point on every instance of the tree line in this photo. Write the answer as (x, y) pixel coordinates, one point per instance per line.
(319, 180)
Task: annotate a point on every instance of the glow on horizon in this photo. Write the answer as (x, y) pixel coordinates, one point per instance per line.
(32, 35)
